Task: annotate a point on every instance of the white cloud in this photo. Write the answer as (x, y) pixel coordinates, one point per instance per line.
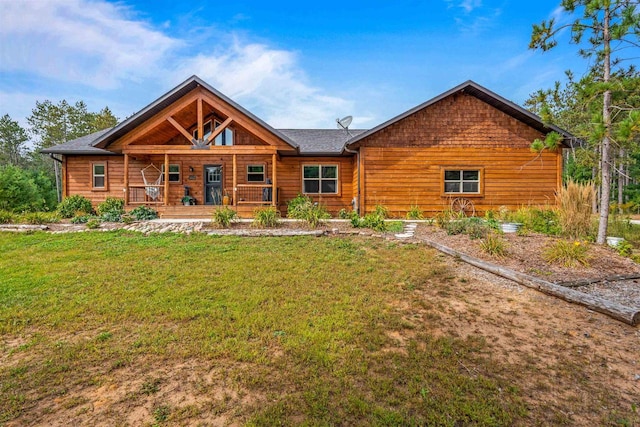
(95, 43)
(268, 82)
(467, 5)
(103, 45)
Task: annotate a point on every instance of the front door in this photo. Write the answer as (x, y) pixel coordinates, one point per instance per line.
(213, 184)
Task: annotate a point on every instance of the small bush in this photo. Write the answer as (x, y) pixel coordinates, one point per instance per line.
(73, 204)
(544, 221)
(373, 220)
(625, 248)
(40, 217)
(494, 245)
(266, 217)
(345, 214)
(574, 208)
(414, 212)
(83, 219)
(7, 217)
(302, 207)
(111, 210)
(381, 211)
(569, 254)
(93, 223)
(224, 216)
(143, 213)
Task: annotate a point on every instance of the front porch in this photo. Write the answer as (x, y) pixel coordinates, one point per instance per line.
(209, 178)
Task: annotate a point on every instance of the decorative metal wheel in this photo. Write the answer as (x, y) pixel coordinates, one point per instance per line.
(463, 205)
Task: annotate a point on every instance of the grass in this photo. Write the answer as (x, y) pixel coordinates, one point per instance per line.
(568, 254)
(303, 322)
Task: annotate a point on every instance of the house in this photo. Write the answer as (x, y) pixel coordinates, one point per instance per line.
(467, 148)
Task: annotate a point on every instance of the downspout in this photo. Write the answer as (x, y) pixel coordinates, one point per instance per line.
(356, 205)
(55, 158)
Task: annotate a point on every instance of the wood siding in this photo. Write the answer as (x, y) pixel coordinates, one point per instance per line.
(402, 164)
(78, 176)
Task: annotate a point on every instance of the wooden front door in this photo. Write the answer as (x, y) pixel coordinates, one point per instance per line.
(212, 184)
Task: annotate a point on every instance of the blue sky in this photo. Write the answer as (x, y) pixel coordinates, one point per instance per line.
(294, 64)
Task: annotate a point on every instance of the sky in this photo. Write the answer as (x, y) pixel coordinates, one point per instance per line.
(293, 64)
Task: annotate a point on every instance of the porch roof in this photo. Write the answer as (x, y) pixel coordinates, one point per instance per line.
(329, 142)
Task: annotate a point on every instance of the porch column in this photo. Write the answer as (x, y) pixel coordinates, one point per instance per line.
(126, 179)
(234, 193)
(274, 191)
(166, 179)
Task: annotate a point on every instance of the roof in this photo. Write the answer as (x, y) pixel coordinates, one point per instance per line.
(305, 141)
(158, 105)
(485, 95)
(83, 145)
(321, 141)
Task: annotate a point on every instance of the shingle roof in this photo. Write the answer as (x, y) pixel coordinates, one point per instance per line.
(83, 145)
(484, 94)
(321, 141)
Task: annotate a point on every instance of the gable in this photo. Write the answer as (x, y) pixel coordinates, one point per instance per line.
(459, 120)
(183, 113)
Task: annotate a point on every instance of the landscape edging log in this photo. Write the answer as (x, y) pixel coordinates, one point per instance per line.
(619, 312)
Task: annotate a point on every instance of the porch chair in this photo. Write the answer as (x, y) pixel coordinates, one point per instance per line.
(152, 192)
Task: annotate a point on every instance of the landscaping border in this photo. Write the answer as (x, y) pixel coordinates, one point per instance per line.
(617, 311)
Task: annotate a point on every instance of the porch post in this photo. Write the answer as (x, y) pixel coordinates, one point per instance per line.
(126, 179)
(274, 191)
(234, 193)
(166, 179)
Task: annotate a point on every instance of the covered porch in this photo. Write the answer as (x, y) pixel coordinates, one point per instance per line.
(239, 176)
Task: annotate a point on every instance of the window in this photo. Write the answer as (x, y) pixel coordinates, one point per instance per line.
(99, 176)
(255, 173)
(320, 179)
(174, 173)
(225, 137)
(462, 181)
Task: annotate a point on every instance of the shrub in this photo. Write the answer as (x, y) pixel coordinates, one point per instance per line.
(373, 220)
(224, 216)
(302, 207)
(569, 254)
(625, 248)
(111, 210)
(574, 208)
(7, 217)
(93, 223)
(83, 218)
(40, 217)
(543, 221)
(345, 214)
(69, 207)
(414, 212)
(143, 213)
(381, 211)
(494, 245)
(266, 217)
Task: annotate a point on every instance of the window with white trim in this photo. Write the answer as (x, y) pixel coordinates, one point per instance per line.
(255, 173)
(320, 179)
(99, 176)
(174, 173)
(462, 181)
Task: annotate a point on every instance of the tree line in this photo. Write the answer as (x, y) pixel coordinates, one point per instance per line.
(30, 181)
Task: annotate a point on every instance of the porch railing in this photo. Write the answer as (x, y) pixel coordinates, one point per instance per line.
(257, 194)
(146, 194)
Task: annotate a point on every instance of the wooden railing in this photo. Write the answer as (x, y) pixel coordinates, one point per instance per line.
(257, 194)
(146, 194)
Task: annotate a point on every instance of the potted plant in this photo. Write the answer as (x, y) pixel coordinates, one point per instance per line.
(226, 199)
(188, 200)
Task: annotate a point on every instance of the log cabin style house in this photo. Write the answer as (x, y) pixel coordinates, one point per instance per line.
(468, 148)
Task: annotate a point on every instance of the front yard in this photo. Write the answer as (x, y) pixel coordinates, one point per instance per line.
(120, 328)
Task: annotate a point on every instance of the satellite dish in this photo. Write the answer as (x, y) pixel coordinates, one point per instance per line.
(344, 122)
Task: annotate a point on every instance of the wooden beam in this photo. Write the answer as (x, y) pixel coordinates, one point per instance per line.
(206, 151)
(156, 120)
(64, 176)
(361, 197)
(217, 131)
(166, 179)
(234, 193)
(182, 130)
(200, 120)
(126, 179)
(274, 191)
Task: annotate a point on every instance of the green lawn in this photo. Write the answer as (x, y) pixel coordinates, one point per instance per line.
(305, 325)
